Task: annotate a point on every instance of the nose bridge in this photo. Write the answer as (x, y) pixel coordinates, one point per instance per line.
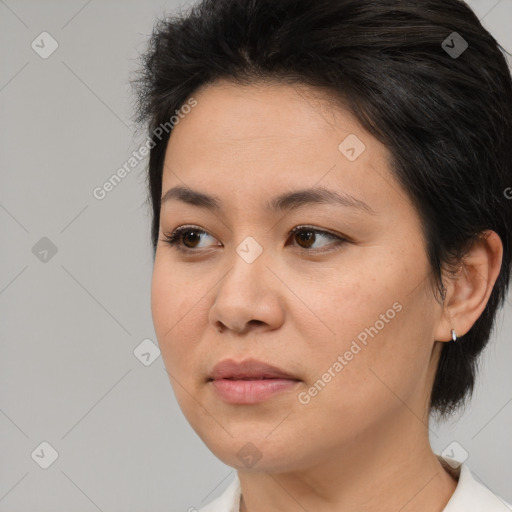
(250, 250)
(248, 266)
(243, 294)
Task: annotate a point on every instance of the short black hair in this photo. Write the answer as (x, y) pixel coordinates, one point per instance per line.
(446, 118)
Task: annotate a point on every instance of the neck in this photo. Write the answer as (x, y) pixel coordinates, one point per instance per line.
(385, 470)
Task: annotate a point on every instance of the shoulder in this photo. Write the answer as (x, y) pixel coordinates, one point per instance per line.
(472, 496)
(228, 501)
(469, 496)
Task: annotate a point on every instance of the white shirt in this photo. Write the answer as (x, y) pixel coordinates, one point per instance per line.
(469, 496)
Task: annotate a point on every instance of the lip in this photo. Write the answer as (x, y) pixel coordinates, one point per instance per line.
(250, 381)
(247, 369)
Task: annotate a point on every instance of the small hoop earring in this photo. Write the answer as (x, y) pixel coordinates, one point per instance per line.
(454, 336)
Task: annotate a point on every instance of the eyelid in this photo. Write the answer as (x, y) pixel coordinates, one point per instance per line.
(173, 238)
(338, 239)
(302, 227)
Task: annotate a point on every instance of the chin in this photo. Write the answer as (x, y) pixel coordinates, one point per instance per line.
(250, 450)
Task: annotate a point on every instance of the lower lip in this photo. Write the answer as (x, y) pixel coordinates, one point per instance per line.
(251, 391)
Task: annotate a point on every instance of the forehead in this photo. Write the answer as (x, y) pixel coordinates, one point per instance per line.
(259, 139)
(266, 111)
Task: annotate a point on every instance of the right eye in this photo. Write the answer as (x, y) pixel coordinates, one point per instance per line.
(184, 235)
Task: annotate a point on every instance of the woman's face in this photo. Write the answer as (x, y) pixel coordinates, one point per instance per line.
(352, 321)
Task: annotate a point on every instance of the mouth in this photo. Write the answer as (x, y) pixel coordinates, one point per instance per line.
(249, 382)
(247, 378)
(250, 369)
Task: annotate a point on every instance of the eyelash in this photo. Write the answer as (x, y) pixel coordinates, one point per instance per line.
(174, 238)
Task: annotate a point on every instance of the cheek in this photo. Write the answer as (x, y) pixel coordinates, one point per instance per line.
(179, 317)
(377, 323)
(354, 385)
(340, 303)
(177, 309)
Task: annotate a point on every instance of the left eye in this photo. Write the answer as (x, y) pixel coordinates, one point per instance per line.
(186, 238)
(308, 235)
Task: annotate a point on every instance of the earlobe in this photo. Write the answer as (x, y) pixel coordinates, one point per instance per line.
(470, 289)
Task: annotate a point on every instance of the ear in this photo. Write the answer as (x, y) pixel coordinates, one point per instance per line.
(468, 291)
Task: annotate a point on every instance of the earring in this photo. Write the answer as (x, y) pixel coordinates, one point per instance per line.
(454, 336)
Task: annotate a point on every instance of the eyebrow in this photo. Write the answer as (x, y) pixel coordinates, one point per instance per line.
(284, 202)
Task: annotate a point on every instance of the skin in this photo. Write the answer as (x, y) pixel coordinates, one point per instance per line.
(367, 429)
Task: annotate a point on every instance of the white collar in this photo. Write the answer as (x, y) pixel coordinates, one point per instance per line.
(469, 496)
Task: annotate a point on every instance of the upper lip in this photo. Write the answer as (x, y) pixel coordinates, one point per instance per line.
(249, 368)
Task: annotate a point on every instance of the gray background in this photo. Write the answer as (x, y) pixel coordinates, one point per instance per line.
(69, 325)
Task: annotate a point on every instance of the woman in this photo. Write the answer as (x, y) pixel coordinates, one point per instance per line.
(332, 241)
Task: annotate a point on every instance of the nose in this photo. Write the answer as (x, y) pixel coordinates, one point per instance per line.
(247, 298)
